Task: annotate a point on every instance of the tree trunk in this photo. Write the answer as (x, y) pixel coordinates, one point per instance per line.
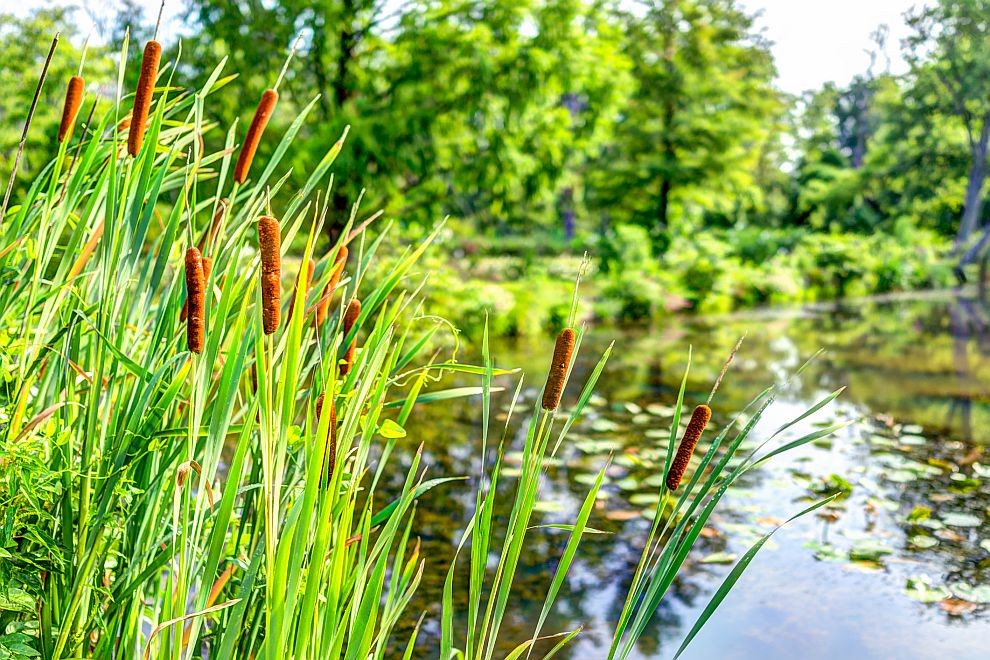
(974, 189)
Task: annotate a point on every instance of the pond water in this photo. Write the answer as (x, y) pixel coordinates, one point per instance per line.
(898, 568)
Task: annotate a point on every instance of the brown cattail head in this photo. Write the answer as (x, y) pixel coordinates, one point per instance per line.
(253, 137)
(351, 315)
(270, 241)
(699, 420)
(73, 99)
(142, 95)
(196, 299)
(330, 439)
(558, 368)
(207, 269)
(323, 306)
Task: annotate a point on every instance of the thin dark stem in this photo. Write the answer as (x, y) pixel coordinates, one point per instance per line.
(158, 23)
(725, 368)
(27, 126)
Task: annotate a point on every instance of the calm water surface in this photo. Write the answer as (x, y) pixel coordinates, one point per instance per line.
(899, 568)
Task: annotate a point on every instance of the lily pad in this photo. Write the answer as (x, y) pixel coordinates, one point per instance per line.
(921, 589)
(719, 558)
(959, 519)
(869, 551)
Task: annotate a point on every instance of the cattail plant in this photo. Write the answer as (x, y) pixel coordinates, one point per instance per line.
(323, 306)
(350, 318)
(303, 285)
(196, 299)
(73, 99)
(558, 368)
(699, 420)
(270, 240)
(261, 116)
(331, 438)
(207, 269)
(142, 95)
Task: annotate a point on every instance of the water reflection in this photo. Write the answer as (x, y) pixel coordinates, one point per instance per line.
(899, 568)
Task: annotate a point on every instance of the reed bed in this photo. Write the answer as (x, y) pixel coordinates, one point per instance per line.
(219, 495)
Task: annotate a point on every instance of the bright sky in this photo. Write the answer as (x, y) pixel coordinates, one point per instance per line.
(815, 41)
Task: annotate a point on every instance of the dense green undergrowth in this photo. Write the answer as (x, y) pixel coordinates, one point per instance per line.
(718, 271)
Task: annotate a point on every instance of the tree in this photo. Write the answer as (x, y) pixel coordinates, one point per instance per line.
(701, 119)
(949, 54)
(483, 110)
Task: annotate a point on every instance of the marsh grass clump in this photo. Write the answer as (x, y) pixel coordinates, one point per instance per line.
(270, 243)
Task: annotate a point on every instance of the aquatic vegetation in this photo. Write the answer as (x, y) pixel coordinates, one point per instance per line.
(227, 496)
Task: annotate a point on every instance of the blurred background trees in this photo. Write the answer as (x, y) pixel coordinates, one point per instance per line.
(651, 134)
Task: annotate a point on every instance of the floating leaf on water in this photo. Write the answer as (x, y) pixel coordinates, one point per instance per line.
(981, 470)
(923, 542)
(660, 411)
(603, 425)
(657, 434)
(920, 589)
(826, 551)
(869, 551)
(597, 400)
(548, 506)
(644, 499)
(719, 558)
(641, 419)
(913, 440)
(912, 429)
(949, 535)
(511, 472)
(959, 519)
(957, 607)
(972, 593)
(622, 515)
(919, 513)
(587, 478)
(985, 544)
(629, 483)
(632, 408)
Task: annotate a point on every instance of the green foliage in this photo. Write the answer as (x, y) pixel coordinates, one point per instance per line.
(161, 502)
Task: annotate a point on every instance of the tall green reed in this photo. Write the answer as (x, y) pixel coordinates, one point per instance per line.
(171, 491)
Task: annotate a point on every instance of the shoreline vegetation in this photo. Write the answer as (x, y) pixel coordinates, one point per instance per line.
(216, 485)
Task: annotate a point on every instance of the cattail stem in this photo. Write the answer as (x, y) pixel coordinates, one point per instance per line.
(303, 284)
(562, 351)
(255, 131)
(699, 420)
(73, 99)
(330, 439)
(143, 94)
(323, 306)
(270, 241)
(351, 315)
(27, 126)
(196, 298)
